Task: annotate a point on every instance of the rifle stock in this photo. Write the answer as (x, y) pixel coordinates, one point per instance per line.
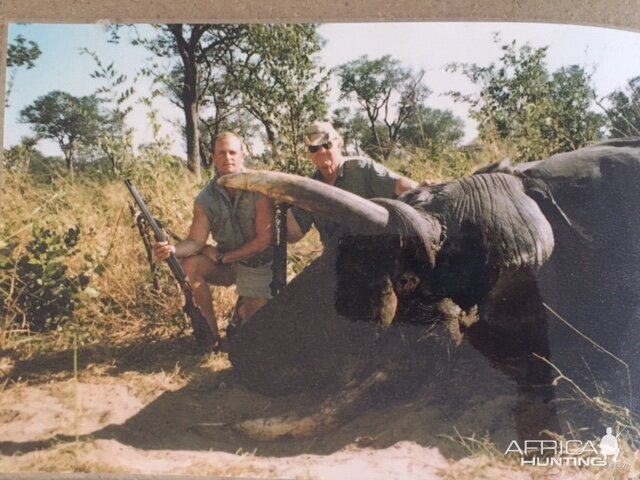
(204, 336)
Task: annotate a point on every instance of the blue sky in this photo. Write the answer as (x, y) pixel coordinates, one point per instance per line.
(612, 56)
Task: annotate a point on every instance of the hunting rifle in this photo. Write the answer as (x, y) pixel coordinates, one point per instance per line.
(279, 266)
(205, 339)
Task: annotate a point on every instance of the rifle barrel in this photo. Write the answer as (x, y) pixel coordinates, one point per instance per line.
(203, 333)
(172, 261)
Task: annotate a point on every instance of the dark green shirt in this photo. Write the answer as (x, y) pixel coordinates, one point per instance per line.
(233, 222)
(358, 175)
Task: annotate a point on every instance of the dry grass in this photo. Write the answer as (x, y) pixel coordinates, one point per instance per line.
(120, 307)
(448, 164)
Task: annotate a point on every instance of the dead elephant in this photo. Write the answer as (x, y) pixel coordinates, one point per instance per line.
(531, 264)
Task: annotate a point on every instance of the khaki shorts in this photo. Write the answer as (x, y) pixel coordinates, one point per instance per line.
(253, 282)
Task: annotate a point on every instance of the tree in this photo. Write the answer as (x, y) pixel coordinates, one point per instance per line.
(522, 103)
(388, 93)
(18, 157)
(20, 53)
(354, 129)
(116, 139)
(432, 128)
(70, 121)
(277, 74)
(199, 48)
(222, 100)
(570, 122)
(624, 112)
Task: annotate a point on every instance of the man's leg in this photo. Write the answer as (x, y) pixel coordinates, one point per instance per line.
(201, 271)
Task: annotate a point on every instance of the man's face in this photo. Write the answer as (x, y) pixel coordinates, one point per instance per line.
(324, 157)
(227, 156)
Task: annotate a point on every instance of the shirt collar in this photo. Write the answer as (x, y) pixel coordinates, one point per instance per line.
(318, 174)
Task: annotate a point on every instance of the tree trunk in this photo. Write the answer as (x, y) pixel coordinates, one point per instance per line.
(271, 139)
(190, 94)
(67, 151)
(191, 112)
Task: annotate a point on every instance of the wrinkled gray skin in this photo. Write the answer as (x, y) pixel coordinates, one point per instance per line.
(494, 247)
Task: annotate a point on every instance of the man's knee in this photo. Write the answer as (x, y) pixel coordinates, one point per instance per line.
(195, 268)
(189, 265)
(201, 270)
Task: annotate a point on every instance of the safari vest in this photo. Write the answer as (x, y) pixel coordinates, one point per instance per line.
(232, 220)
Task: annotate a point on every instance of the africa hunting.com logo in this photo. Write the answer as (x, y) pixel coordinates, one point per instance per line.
(573, 453)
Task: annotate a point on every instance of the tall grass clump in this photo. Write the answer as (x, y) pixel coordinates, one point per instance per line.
(71, 262)
(442, 164)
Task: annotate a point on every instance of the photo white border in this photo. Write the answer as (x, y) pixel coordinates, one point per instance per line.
(619, 14)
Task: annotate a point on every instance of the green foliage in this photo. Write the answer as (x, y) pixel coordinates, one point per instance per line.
(20, 53)
(541, 113)
(432, 129)
(18, 158)
(388, 93)
(37, 290)
(72, 121)
(195, 53)
(624, 112)
(276, 72)
(116, 138)
(216, 73)
(355, 131)
(428, 129)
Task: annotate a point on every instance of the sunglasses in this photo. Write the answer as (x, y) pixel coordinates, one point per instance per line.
(315, 148)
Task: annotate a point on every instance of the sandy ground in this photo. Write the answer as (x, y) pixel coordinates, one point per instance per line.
(173, 413)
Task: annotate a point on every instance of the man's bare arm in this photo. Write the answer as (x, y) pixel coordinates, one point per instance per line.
(294, 232)
(195, 241)
(404, 184)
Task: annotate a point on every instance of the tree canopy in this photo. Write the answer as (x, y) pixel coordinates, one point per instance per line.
(388, 92)
(71, 121)
(624, 113)
(277, 75)
(198, 50)
(20, 53)
(520, 101)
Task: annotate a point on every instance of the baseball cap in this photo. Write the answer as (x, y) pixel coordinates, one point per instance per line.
(320, 132)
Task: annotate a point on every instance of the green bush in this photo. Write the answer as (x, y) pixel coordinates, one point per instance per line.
(37, 291)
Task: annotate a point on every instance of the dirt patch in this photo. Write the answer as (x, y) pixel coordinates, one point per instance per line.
(181, 421)
(68, 408)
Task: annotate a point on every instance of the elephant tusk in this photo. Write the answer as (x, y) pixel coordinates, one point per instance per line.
(359, 214)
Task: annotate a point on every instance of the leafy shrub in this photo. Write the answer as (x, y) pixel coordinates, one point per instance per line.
(37, 290)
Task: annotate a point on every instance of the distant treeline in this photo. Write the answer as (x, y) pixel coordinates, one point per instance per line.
(267, 82)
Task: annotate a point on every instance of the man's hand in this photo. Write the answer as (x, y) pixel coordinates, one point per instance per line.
(162, 250)
(211, 252)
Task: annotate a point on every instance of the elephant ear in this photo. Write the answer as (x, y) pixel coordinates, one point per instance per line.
(494, 211)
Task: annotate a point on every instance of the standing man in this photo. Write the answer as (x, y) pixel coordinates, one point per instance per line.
(241, 224)
(358, 175)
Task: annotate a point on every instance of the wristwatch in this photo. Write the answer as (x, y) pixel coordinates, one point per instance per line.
(220, 258)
